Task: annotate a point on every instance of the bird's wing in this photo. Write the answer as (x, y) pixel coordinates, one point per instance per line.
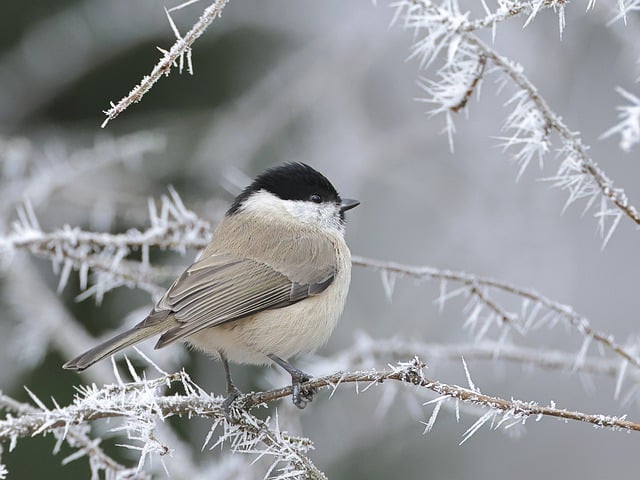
(223, 287)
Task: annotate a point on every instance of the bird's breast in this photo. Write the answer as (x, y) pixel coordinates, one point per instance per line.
(299, 328)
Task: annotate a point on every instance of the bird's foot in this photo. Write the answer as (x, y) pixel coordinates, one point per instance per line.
(301, 394)
(233, 393)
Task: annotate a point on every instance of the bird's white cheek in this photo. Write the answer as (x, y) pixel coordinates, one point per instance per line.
(325, 215)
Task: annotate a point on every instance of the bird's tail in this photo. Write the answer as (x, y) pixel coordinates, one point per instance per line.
(113, 345)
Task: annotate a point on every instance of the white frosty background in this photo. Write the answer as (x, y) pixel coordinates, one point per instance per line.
(328, 83)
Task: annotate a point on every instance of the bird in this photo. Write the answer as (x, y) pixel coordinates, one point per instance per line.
(271, 284)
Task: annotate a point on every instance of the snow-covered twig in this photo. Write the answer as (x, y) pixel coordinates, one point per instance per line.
(177, 53)
(121, 401)
(578, 173)
(535, 310)
(174, 228)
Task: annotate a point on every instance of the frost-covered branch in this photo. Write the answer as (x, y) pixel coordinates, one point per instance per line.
(629, 126)
(178, 53)
(177, 228)
(498, 409)
(366, 352)
(35, 173)
(76, 436)
(444, 29)
(174, 227)
(578, 173)
(141, 405)
(536, 308)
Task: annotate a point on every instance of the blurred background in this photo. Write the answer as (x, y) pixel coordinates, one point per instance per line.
(327, 83)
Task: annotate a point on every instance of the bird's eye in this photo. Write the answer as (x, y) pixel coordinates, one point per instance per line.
(315, 198)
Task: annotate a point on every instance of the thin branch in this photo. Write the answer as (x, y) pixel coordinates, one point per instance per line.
(366, 351)
(572, 140)
(50, 168)
(447, 29)
(127, 400)
(173, 227)
(507, 10)
(77, 437)
(170, 234)
(482, 62)
(411, 372)
(177, 52)
(139, 403)
(577, 321)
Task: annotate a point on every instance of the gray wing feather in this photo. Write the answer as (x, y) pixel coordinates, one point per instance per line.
(221, 288)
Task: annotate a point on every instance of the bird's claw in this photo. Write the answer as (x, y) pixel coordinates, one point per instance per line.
(232, 395)
(302, 395)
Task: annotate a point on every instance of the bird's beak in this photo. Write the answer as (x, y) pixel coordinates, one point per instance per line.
(348, 204)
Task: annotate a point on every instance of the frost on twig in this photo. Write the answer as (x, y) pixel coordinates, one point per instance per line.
(173, 227)
(445, 33)
(484, 313)
(629, 126)
(366, 352)
(180, 51)
(143, 403)
(76, 436)
(35, 173)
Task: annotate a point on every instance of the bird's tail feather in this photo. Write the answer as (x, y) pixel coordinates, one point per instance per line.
(114, 345)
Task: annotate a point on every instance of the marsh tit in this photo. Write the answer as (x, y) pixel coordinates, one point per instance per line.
(271, 284)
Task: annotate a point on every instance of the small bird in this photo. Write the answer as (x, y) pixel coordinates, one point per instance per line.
(271, 284)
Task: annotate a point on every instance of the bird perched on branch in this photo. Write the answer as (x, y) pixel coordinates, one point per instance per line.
(271, 284)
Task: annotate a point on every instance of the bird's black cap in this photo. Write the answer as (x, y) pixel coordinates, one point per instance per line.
(290, 181)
